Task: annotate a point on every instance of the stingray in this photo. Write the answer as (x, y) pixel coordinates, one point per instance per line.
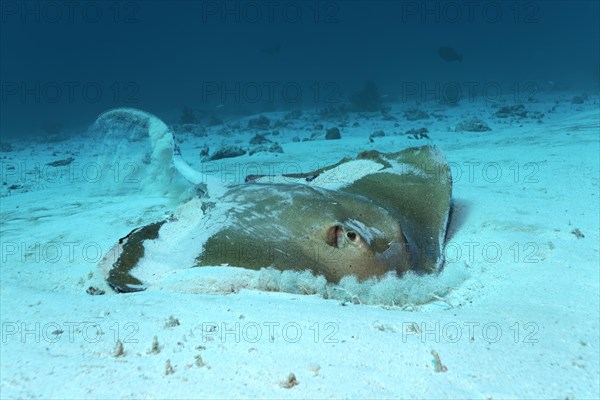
(449, 54)
(366, 216)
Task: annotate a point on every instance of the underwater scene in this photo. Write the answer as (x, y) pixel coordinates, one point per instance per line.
(299, 199)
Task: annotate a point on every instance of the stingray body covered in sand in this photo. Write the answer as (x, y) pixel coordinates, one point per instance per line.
(389, 215)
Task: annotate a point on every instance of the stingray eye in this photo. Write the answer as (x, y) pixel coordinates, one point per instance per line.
(351, 235)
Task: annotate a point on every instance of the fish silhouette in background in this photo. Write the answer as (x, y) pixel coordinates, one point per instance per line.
(272, 50)
(449, 54)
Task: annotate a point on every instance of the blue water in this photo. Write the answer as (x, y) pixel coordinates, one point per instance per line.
(509, 90)
(63, 63)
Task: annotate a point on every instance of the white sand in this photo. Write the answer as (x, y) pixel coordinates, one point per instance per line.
(515, 313)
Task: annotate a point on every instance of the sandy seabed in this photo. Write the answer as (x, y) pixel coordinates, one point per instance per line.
(515, 313)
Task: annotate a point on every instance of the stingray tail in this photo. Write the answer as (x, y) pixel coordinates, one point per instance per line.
(190, 174)
(163, 143)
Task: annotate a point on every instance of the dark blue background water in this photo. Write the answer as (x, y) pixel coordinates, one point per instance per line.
(62, 63)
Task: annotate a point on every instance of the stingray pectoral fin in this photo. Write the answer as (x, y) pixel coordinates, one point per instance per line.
(416, 185)
(119, 276)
